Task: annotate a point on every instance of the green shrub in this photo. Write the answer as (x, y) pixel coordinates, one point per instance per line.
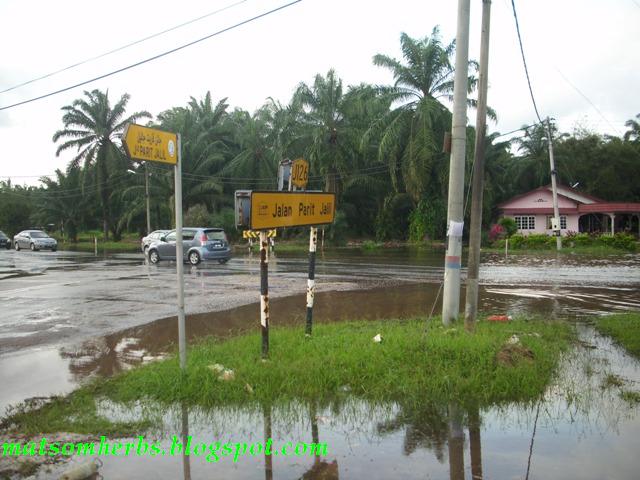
(393, 220)
(622, 241)
(575, 239)
(509, 225)
(197, 216)
(428, 220)
(538, 240)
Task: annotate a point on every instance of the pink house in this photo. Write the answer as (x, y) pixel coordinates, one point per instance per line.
(579, 212)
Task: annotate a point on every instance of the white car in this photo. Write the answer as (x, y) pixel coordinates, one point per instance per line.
(35, 240)
(152, 237)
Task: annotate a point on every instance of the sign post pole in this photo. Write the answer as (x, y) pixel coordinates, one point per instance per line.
(311, 282)
(152, 145)
(182, 342)
(264, 293)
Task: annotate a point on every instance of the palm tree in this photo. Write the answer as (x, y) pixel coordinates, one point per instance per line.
(60, 201)
(326, 130)
(531, 169)
(91, 126)
(206, 141)
(411, 134)
(633, 134)
(256, 158)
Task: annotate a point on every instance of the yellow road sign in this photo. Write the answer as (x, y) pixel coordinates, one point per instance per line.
(291, 209)
(256, 233)
(149, 144)
(300, 172)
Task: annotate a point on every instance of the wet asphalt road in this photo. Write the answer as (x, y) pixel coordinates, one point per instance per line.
(53, 298)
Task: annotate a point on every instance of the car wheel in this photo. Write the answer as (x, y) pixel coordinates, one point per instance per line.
(8, 246)
(17, 246)
(222, 261)
(154, 257)
(194, 258)
(54, 249)
(33, 247)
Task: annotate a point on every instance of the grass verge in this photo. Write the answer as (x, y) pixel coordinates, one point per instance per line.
(408, 367)
(624, 329)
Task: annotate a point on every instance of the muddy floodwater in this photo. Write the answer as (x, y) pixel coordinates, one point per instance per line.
(69, 316)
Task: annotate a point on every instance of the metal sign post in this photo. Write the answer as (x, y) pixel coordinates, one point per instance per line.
(311, 282)
(182, 341)
(264, 293)
(152, 145)
(269, 210)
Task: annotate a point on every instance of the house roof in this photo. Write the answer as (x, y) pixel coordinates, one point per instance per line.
(567, 194)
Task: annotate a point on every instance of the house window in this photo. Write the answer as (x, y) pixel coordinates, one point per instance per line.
(526, 222)
(563, 222)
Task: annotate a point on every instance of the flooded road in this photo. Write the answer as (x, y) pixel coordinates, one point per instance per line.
(70, 316)
(64, 297)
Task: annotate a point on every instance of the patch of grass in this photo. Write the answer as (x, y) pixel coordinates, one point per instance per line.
(612, 381)
(369, 245)
(630, 397)
(624, 329)
(75, 412)
(408, 367)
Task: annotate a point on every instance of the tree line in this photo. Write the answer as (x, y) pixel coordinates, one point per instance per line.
(379, 148)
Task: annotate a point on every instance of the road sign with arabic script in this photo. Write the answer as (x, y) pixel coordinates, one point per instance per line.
(150, 144)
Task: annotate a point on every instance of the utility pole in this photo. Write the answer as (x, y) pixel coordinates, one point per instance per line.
(455, 211)
(554, 190)
(473, 268)
(182, 335)
(146, 195)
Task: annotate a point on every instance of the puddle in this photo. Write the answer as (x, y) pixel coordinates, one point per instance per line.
(578, 430)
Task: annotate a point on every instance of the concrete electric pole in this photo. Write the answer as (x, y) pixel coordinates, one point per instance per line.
(455, 210)
(475, 229)
(554, 191)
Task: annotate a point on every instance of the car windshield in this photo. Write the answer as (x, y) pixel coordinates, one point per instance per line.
(38, 235)
(2, 235)
(215, 235)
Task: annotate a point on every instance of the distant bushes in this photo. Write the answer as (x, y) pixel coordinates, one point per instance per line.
(540, 241)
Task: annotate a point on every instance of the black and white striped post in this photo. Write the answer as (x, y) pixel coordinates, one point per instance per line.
(311, 282)
(264, 292)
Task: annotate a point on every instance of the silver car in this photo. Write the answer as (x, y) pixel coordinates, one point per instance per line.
(152, 237)
(35, 240)
(198, 244)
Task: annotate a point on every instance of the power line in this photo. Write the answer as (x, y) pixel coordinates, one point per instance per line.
(588, 100)
(123, 47)
(516, 130)
(142, 62)
(524, 61)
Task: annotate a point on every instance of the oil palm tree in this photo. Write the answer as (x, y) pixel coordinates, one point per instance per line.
(59, 202)
(411, 134)
(326, 130)
(91, 126)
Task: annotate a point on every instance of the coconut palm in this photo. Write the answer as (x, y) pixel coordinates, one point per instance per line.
(91, 126)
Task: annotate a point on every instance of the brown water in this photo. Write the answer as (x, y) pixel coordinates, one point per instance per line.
(579, 430)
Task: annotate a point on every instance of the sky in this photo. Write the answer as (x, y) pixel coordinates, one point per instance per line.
(582, 55)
